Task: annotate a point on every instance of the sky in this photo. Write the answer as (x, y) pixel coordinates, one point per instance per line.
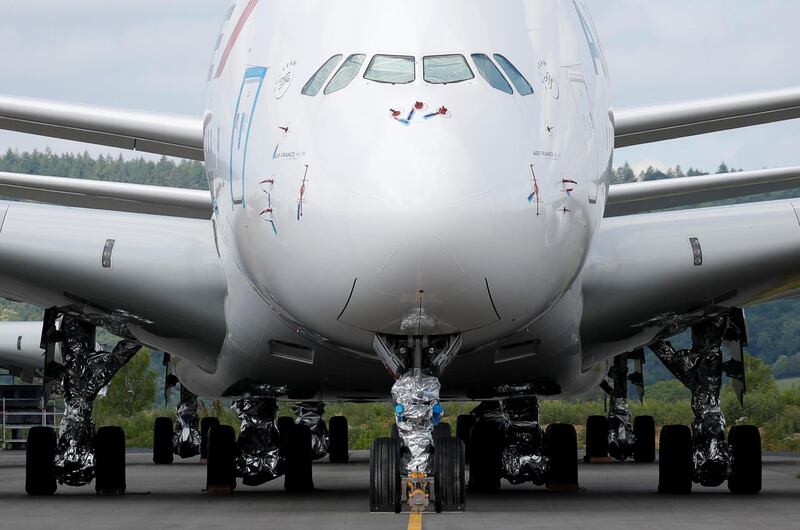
(154, 55)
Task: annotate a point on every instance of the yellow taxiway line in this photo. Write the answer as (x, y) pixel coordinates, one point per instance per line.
(415, 521)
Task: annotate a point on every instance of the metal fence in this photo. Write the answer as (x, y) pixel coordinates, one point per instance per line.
(20, 414)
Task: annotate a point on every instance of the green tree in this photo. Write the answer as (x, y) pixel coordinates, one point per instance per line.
(132, 390)
(623, 174)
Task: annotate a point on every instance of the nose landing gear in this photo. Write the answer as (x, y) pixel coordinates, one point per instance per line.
(417, 468)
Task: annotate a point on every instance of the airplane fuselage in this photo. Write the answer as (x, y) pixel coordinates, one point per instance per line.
(405, 205)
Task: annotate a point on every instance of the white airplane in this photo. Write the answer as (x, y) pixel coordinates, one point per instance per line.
(415, 204)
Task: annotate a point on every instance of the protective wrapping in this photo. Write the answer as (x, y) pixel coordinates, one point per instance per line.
(312, 414)
(85, 372)
(700, 370)
(620, 428)
(186, 440)
(259, 458)
(522, 457)
(416, 395)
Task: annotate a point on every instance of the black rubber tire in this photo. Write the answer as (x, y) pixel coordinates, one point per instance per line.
(464, 425)
(221, 468)
(745, 451)
(443, 430)
(449, 477)
(596, 437)
(109, 455)
(205, 426)
(644, 433)
(384, 475)
(163, 431)
(562, 449)
(338, 440)
(298, 476)
(284, 423)
(394, 432)
(40, 472)
(675, 462)
(485, 468)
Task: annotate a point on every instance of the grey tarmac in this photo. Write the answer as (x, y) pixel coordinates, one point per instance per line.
(613, 496)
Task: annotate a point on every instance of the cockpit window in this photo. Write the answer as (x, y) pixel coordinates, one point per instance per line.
(394, 69)
(318, 79)
(491, 73)
(347, 72)
(444, 69)
(520, 83)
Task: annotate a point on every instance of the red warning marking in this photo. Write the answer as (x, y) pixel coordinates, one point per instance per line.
(395, 113)
(237, 30)
(302, 195)
(419, 105)
(268, 181)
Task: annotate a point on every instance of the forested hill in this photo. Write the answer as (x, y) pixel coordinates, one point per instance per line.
(187, 174)
(774, 328)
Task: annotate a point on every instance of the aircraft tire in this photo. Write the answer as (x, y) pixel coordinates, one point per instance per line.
(205, 426)
(745, 451)
(384, 475)
(449, 477)
(562, 448)
(284, 424)
(109, 443)
(221, 470)
(486, 446)
(464, 425)
(675, 463)
(596, 437)
(644, 433)
(298, 476)
(443, 430)
(338, 443)
(40, 473)
(163, 430)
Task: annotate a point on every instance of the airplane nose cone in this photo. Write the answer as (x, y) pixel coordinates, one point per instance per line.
(417, 233)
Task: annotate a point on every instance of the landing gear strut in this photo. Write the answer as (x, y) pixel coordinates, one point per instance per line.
(625, 438)
(186, 440)
(259, 459)
(83, 373)
(700, 369)
(509, 442)
(312, 415)
(416, 468)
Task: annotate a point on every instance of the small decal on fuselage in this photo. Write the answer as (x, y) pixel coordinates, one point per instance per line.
(398, 114)
(302, 197)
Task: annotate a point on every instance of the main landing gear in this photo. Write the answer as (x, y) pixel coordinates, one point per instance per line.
(78, 454)
(269, 448)
(615, 434)
(703, 455)
(507, 441)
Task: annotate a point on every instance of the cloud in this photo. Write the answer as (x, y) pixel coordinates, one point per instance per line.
(154, 54)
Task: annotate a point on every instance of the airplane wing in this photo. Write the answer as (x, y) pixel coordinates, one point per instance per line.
(651, 273)
(154, 278)
(150, 132)
(639, 197)
(111, 196)
(665, 122)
